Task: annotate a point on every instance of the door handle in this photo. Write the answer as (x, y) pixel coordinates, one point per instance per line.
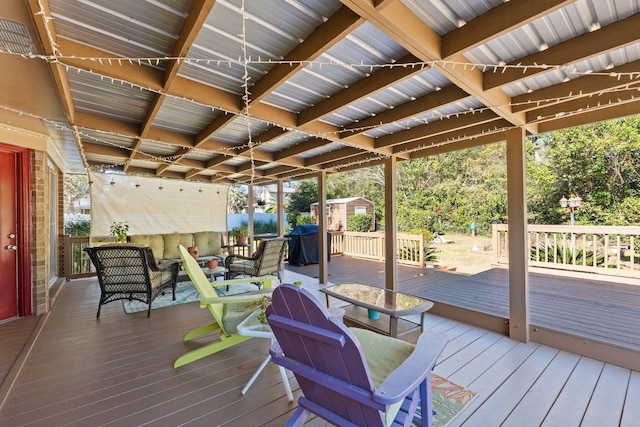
(12, 248)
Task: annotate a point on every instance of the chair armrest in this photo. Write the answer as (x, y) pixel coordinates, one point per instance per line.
(166, 265)
(413, 370)
(233, 299)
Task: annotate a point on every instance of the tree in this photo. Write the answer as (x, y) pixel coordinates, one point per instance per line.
(237, 199)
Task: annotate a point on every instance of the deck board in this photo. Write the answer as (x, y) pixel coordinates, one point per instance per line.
(118, 370)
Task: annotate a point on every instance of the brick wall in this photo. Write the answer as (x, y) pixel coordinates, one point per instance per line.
(40, 230)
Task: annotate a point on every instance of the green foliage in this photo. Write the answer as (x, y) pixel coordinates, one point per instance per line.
(119, 229)
(241, 230)
(77, 225)
(359, 223)
(305, 219)
(262, 227)
(237, 199)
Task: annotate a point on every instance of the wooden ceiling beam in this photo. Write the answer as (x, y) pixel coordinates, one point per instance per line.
(341, 23)
(594, 116)
(363, 88)
(431, 101)
(437, 127)
(496, 22)
(612, 37)
(454, 136)
(399, 23)
(581, 87)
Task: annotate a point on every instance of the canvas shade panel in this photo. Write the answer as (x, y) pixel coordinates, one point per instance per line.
(155, 205)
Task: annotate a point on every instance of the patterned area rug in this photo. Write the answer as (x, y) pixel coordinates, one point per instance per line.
(449, 399)
(185, 292)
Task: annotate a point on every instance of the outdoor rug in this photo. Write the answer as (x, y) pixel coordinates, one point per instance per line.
(185, 292)
(448, 398)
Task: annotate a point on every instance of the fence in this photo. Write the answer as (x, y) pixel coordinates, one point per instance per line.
(607, 250)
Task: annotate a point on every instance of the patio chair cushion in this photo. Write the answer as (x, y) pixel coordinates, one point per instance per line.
(383, 355)
(208, 243)
(171, 242)
(154, 241)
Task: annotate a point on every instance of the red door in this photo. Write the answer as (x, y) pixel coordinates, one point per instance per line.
(8, 236)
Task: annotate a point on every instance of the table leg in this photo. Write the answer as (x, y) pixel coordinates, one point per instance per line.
(255, 375)
(283, 374)
(393, 326)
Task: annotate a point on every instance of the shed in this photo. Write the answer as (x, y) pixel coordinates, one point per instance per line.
(338, 210)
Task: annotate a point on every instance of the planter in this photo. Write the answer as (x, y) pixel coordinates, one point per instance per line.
(193, 251)
(241, 240)
(212, 263)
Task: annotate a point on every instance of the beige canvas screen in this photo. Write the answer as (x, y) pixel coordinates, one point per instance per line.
(155, 205)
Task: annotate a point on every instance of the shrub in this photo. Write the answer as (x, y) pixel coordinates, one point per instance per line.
(359, 223)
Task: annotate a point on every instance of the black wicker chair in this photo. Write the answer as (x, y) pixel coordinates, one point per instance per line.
(267, 260)
(131, 272)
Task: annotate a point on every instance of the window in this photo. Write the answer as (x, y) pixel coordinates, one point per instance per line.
(360, 210)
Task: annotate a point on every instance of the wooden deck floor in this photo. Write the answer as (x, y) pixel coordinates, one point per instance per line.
(118, 370)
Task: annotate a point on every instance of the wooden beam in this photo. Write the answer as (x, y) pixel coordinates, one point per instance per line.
(363, 88)
(437, 127)
(341, 23)
(496, 22)
(612, 37)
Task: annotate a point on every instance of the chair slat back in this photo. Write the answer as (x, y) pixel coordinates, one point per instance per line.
(202, 284)
(272, 254)
(118, 266)
(325, 357)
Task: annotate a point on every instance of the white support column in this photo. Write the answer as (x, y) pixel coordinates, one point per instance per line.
(250, 210)
(518, 260)
(390, 223)
(280, 201)
(323, 267)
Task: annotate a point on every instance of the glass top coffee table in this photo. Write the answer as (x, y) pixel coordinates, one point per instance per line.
(390, 304)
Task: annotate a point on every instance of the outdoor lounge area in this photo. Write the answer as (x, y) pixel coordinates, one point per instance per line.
(123, 374)
(190, 98)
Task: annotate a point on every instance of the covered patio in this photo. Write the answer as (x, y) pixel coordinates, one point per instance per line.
(71, 369)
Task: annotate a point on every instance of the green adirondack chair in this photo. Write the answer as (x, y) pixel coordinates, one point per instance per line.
(227, 311)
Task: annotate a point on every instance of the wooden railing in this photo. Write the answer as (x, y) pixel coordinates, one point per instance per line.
(606, 250)
(371, 246)
(76, 261)
(362, 245)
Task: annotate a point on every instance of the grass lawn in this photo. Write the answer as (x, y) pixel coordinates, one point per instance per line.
(468, 254)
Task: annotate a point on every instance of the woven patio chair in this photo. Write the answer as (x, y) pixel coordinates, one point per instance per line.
(129, 272)
(350, 376)
(267, 260)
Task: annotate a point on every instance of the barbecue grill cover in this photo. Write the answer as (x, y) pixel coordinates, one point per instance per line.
(303, 245)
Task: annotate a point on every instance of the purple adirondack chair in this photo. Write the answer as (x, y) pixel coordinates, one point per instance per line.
(334, 365)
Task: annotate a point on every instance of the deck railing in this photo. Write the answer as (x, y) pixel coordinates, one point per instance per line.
(605, 250)
(76, 261)
(362, 245)
(371, 246)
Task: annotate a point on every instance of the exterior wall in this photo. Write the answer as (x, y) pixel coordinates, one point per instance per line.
(40, 231)
(370, 210)
(339, 212)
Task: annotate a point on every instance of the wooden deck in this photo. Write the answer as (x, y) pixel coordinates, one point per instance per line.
(76, 370)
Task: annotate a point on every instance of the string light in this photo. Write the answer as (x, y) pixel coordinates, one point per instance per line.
(339, 136)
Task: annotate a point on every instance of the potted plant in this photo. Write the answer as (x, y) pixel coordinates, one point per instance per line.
(239, 234)
(119, 230)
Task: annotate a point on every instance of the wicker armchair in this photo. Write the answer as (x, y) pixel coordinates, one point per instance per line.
(131, 272)
(267, 260)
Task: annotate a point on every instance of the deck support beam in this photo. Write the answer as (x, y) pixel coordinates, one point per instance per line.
(518, 261)
(390, 223)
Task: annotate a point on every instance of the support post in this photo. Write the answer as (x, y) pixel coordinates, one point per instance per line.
(518, 260)
(390, 223)
(323, 268)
